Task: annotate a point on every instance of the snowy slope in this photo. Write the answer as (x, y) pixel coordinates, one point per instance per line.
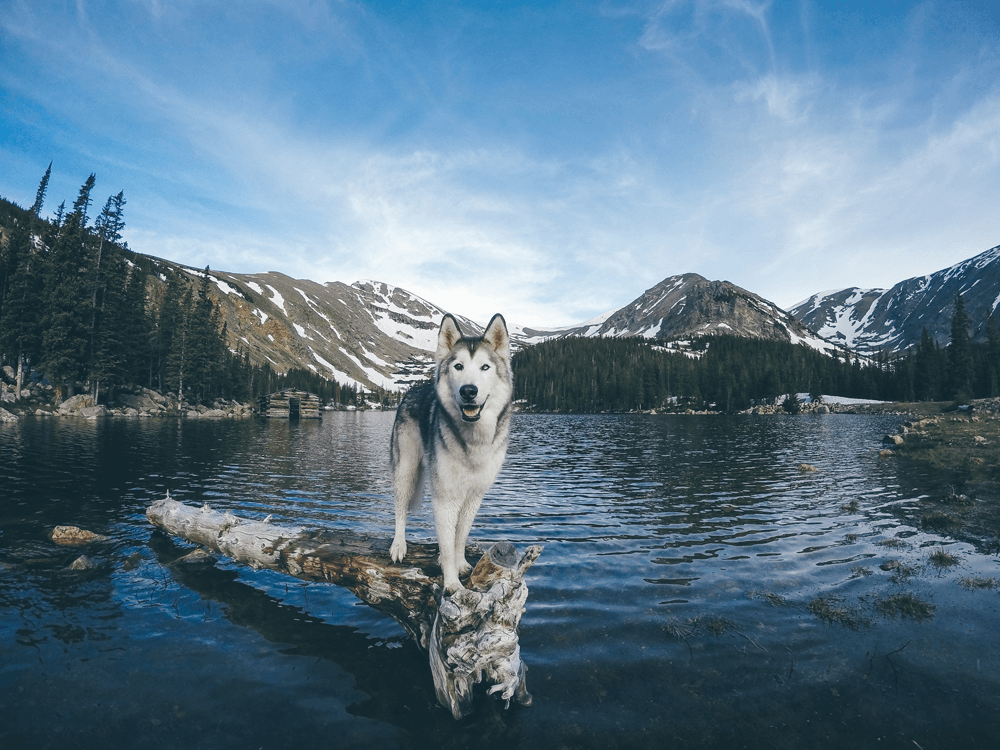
(373, 334)
(872, 320)
(689, 306)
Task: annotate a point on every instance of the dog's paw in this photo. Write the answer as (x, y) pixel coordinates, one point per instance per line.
(464, 568)
(398, 550)
(452, 587)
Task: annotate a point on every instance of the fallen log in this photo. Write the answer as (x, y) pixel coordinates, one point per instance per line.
(470, 636)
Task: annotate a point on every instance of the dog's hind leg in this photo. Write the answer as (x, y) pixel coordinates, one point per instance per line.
(407, 488)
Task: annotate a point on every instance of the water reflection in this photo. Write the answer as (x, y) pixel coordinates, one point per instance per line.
(697, 587)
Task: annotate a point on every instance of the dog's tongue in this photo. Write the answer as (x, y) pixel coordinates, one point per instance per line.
(470, 412)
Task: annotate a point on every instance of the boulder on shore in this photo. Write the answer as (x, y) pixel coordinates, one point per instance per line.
(75, 404)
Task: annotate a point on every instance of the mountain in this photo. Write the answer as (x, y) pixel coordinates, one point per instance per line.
(368, 333)
(891, 320)
(688, 306)
(372, 334)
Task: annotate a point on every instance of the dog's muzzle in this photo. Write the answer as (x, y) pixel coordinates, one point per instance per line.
(470, 409)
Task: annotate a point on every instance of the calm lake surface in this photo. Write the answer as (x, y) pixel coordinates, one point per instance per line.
(696, 590)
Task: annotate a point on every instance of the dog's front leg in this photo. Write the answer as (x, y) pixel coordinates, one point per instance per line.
(408, 487)
(465, 519)
(446, 523)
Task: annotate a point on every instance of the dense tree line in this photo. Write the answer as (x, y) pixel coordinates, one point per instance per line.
(620, 374)
(731, 373)
(77, 306)
(961, 370)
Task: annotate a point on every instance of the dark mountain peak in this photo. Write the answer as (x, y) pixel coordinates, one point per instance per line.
(689, 305)
(873, 320)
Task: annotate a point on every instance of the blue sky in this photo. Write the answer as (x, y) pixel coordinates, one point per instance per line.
(550, 161)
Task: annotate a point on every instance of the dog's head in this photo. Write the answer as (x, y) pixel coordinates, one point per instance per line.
(473, 372)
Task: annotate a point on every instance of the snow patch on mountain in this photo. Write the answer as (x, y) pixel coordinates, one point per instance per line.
(873, 320)
(278, 300)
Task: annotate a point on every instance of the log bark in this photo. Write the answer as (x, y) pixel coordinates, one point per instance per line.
(470, 636)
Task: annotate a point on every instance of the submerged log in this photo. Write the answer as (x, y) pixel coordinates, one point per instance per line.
(470, 636)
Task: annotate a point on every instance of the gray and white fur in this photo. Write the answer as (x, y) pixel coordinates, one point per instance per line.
(453, 432)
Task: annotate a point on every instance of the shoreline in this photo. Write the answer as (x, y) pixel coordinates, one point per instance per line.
(956, 454)
(129, 402)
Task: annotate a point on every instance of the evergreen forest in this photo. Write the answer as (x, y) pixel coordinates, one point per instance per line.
(729, 373)
(79, 309)
(77, 306)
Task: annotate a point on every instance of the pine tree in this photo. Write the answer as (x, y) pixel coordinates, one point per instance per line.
(136, 326)
(16, 250)
(960, 353)
(166, 318)
(926, 368)
(991, 366)
(791, 404)
(65, 302)
(110, 364)
(20, 332)
(20, 289)
(109, 226)
(178, 355)
(43, 187)
(59, 218)
(204, 350)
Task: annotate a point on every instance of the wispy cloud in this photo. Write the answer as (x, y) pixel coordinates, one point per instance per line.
(739, 140)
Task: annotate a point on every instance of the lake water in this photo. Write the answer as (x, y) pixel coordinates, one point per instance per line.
(696, 590)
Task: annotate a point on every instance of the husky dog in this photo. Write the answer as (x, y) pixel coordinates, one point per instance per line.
(453, 431)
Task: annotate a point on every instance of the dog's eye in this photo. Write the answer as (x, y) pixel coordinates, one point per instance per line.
(459, 366)
(484, 368)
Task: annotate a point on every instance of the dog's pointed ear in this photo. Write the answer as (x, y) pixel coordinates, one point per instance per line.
(448, 335)
(496, 336)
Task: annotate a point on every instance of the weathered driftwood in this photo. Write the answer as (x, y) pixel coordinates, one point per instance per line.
(475, 632)
(470, 636)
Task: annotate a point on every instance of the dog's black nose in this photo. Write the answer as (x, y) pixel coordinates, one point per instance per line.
(468, 392)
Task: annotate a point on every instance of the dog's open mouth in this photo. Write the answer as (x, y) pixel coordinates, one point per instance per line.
(471, 413)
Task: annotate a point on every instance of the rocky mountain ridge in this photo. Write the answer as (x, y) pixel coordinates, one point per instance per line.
(892, 320)
(368, 334)
(689, 306)
(373, 334)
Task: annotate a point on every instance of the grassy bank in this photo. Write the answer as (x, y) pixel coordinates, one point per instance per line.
(957, 453)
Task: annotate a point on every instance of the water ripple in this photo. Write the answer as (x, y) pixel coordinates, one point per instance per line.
(677, 550)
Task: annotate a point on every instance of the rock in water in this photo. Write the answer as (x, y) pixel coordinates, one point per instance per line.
(82, 563)
(70, 536)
